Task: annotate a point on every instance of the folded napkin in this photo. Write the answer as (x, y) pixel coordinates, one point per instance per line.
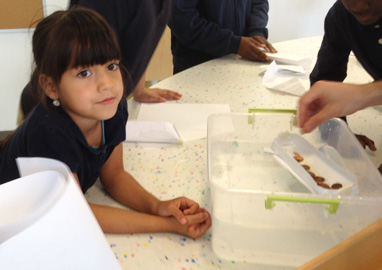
(290, 59)
(291, 80)
(151, 132)
(189, 119)
(285, 69)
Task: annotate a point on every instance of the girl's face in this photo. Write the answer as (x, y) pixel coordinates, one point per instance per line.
(91, 93)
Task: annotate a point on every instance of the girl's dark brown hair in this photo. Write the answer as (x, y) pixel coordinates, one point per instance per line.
(78, 37)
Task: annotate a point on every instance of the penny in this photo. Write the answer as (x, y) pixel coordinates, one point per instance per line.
(323, 185)
(336, 186)
(319, 179)
(297, 157)
(312, 174)
(306, 167)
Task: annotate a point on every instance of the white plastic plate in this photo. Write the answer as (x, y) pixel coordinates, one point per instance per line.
(284, 147)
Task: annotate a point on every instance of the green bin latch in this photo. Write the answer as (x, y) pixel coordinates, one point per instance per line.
(332, 208)
(259, 110)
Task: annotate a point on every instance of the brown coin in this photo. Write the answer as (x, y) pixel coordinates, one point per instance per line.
(336, 186)
(312, 174)
(323, 185)
(297, 157)
(306, 167)
(319, 179)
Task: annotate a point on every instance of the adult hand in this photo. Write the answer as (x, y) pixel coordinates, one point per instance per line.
(326, 100)
(179, 208)
(365, 141)
(151, 95)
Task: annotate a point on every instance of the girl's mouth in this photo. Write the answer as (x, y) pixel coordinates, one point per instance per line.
(107, 101)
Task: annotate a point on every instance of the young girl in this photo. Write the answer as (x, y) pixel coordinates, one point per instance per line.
(81, 121)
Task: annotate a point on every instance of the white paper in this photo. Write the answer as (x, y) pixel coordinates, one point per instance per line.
(290, 59)
(294, 84)
(285, 69)
(46, 222)
(190, 120)
(151, 132)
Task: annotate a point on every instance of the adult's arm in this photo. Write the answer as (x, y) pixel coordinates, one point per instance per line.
(328, 99)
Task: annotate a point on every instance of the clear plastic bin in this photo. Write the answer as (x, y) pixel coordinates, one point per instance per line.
(261, 213)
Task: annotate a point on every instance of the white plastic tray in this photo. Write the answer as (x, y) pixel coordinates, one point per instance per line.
(328, 167)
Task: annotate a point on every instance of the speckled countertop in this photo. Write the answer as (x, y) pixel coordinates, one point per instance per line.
(181, 170)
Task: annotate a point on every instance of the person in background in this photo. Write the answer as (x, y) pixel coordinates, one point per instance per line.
(139, 26)
(350, 25)
(202, 30)
(80, 120)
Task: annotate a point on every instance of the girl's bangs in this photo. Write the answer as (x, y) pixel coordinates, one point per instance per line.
(91, 49)
(86, 41)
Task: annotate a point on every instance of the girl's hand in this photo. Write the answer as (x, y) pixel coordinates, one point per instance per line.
(197, 224)
(178, 208)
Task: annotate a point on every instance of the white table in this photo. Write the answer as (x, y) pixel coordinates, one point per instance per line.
(181, 170)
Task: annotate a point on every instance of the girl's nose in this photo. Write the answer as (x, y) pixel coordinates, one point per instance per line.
(104, 82)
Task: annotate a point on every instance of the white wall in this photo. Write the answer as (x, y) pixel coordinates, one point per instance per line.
(291, 19)
(52, 5)
(15, 67)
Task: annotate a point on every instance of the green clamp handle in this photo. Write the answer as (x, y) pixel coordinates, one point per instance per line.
(288, 111)
(258, 110)
(333, 203)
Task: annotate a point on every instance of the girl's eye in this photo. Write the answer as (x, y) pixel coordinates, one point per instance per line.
(113, 66)
(84, 74)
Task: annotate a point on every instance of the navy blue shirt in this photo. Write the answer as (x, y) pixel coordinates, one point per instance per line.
(51, 133)
(202, 30)
(343, 33)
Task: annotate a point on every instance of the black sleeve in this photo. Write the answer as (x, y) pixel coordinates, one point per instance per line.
(334, 53)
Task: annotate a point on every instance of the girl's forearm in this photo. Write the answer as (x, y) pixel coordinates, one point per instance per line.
(126, 190)
(116, 220)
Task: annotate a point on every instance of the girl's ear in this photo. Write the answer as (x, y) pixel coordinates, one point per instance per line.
(48, 86)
